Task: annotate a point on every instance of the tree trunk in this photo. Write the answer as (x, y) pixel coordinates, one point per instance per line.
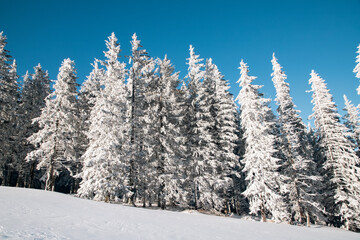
(19, 182)
(133, 197)
(303, 215)
(163, 204)
(8, 177)
(308, 219)
(236, 209)
(263, 215)
(196, 198)
(50, 186)
(32, 174)
(144, 201)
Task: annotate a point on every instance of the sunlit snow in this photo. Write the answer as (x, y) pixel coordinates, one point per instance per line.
(37, 214)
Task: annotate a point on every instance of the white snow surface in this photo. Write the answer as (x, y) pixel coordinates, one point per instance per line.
(38, 214)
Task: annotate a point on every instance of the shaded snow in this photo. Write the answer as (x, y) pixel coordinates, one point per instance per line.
(37, 214)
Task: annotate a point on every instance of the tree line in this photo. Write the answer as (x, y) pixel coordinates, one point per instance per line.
(137, 133)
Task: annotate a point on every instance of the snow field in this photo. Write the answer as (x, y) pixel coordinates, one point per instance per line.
(36, 214)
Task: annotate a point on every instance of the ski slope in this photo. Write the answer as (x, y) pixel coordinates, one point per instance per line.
(37, 214)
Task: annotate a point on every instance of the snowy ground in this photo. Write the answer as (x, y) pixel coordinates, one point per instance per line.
(36, 214)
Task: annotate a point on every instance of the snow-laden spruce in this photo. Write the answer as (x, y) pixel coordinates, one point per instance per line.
(190, 90)
(301, 187)
(88, 93)
(221, 125)
(260, 164)
(104, 177)
(56, 141)
(205, 153)
(140, 64)
(357, 67)
(201, 178)
(9, 95)
(36, 88)
(163, 140)
(148, 178)
(352, 122)
(340, 163)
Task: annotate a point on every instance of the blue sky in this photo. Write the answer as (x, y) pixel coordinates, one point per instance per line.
(305, 35)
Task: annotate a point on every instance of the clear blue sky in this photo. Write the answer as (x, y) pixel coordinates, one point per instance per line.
(305, 35)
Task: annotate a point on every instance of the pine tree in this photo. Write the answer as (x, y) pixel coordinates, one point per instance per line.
(104, 173)
(260, 165)
(56, 141)
(357, 68)
(9, 96)
(298, 166)
(340, 162)
(352, 122)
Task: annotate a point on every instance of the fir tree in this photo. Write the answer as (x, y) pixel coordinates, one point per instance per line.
(165, 143)
(136, 86)
(226, 138)
(199, 140)
(298, 166)
(340, 163)
(260, 165)
(104, 173)
(89, 91)
(35, 89)
(224, 166)
(148, 182)
(9, 96)
(56, 141)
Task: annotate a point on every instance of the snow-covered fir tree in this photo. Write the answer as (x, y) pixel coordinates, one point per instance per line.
(224, 164)
(240, 203)
(148, 181)
(56, 141)
(340, 163)
(9, 96)
(199, 152)
(165, 143)
(352, 122)
(210, 169)
(104, 176)
(299, 166)
(138, 72)
(226, 137)
(24, 131)
(357, 67)
(36, 88)
(88, 93)
(187, 124)
(260, 164)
